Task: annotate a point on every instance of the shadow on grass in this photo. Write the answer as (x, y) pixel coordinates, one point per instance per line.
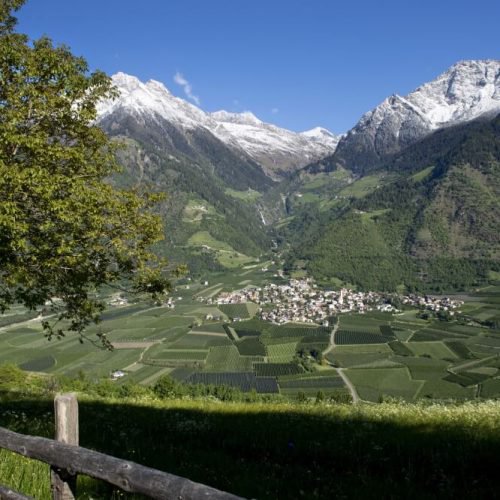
(294, 454)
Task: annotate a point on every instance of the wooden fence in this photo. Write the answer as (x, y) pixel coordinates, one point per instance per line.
(67, 459)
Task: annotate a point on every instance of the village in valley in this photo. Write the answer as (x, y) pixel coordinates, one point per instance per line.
(303, 301)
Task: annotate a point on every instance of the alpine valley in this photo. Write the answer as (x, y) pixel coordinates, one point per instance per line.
(408, 199)
(323, 320)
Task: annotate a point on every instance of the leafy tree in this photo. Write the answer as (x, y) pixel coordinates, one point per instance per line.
(167, 387)
(64, 231)
(320, 396)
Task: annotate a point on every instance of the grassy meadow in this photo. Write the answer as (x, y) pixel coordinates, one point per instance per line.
(279, 450)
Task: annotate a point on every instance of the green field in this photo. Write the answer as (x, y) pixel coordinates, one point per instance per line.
(397, 355)
(281, 353)
(251, 346)
(225, 253)
(435, 350)
(242, 311)
(228, 359)
(373, 384)
(248, 195)
(276, 369)
(363, 186)
(327, 382)
(352, 337)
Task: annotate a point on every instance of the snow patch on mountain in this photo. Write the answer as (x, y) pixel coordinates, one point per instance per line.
(278, 150)
(152, 98)
(323, 136)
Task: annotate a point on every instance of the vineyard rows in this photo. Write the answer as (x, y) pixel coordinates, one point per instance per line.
(296, 331)
(351, 337)
(245, 381)
(310, 383)
(276, 369)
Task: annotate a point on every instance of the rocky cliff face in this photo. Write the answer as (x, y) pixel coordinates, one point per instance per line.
(468, 90)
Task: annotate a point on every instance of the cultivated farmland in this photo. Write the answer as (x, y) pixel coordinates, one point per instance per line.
(382, 354)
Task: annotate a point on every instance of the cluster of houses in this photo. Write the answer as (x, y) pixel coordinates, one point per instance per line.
(432, 303)
(120, 301)
(301, 300)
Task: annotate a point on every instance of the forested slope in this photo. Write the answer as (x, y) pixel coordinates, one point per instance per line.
(433, 224)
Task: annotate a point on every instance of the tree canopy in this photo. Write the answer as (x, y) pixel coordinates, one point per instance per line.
(64, 230)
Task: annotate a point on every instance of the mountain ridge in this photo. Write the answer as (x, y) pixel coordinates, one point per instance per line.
(278, 151)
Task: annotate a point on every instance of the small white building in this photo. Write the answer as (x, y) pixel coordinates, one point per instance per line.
(117, 374)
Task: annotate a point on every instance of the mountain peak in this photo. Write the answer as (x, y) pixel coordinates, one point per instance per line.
(245, 118)
(465, 91)
(157, 86)
(318, 133)
(152, 98)
(126, 82)
(473, 63)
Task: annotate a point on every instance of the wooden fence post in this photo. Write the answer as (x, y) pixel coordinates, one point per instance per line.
(63, 482)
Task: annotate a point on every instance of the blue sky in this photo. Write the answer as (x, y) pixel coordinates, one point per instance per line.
(296, 63)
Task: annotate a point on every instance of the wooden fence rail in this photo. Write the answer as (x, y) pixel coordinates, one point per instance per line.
(8, 494)
(67, 460)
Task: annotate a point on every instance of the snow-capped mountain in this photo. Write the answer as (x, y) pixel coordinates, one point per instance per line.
(152, 98)
(464, 92)
(278, 150)
(174, 131)
(275, 149)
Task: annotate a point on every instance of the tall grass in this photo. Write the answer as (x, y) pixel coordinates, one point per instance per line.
(282, 450)
(24, 475)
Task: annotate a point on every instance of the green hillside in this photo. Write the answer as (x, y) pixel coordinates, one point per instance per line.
(429, 220)
(197, 201)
